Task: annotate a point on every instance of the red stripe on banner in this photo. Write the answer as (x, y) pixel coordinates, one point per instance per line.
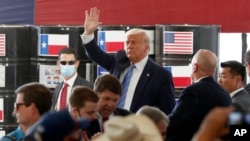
(181, 82)
(1, 115)
(54, 49)
(112, 47)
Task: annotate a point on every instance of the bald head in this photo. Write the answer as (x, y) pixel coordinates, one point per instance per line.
(207, 62)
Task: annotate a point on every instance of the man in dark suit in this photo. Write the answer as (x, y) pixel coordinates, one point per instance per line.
(247, 63)
(231, 77)
(68, 63)
(198, 99)
(108, 88)
(150, 83)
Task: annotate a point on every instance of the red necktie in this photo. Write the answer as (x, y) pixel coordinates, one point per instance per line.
(63, 99)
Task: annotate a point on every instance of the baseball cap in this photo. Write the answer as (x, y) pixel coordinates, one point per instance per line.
(54, 126)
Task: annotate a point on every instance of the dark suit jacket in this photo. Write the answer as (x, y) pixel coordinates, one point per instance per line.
(247, 88)
(79, 81)
(95, 126)
(194, 103)
(155, 86)
(242, 99)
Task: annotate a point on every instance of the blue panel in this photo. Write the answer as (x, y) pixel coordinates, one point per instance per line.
(17, 11)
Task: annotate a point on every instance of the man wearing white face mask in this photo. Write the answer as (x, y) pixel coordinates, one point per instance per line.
(68, 63)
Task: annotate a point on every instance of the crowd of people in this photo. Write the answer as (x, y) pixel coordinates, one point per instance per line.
(136, 101)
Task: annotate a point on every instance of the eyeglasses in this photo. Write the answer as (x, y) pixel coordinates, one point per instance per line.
(17, 105)
(67, 62)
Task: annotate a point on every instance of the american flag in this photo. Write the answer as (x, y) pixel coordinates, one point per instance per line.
(2, 44)
(177, 42)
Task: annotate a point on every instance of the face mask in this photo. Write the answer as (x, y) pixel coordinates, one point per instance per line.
(68, 70)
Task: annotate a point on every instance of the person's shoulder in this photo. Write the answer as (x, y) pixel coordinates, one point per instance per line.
(121, 57)
(81, 81)
(121, 52)
(247, 86)
(58, 87)
(7, 138)
(12, 136)
(242, 94)
(157, 66)
(59, 84)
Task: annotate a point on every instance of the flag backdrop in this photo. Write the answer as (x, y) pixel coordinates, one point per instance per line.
(2, 44)
(101, 71)
(1, 110)
(181, 75)
(151, 34)
(176, 42)
(50, 44)
(111, 41)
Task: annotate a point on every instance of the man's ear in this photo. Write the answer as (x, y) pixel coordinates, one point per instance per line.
(33, 108)
(74, 112)
(238, 78)
(77, 63)
(195, 67)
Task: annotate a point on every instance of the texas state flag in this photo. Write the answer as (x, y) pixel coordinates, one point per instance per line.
(50, 44)
(181, 75)
(111, 41)
(1, 110)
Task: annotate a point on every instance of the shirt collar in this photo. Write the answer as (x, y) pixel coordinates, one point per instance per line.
(200, 79)
(100, 117)
(235, 92)
(141, 64)
(71, 81)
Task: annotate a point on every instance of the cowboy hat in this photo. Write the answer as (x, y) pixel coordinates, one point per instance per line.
(130, 128)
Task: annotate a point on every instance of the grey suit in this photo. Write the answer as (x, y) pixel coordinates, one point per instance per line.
(247, 88)
(79, 81)
(242, 99)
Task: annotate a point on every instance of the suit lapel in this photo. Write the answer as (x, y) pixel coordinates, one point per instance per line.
(77, 81)
(56, 94)
(143, 80)
(121, 64)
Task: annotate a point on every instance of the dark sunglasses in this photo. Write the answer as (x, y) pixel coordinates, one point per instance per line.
(67, 62)
(17, 105)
